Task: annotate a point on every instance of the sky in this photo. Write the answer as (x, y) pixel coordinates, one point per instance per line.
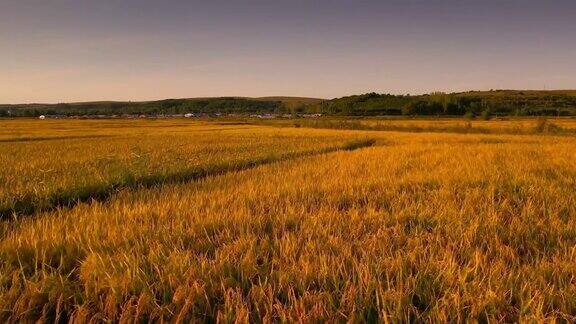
(86, 50)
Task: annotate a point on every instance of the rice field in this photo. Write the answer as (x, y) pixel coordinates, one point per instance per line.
(500, 125)
(338, 226)
(65, 164)
(494, 125)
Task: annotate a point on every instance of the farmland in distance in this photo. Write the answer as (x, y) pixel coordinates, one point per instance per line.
(149, 220)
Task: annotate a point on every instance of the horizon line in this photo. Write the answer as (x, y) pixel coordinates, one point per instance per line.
(276, 96)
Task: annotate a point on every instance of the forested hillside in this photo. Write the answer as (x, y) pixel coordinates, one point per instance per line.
(472, 103)
(168, 106)
(499, 102)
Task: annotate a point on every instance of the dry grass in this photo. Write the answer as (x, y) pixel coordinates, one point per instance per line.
(428, 227)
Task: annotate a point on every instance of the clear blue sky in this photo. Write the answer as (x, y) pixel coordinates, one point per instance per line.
(79, 50)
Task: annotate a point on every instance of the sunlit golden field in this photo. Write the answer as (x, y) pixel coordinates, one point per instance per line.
(329, 225)
(59, 162)
(500, 125)
(494, 125)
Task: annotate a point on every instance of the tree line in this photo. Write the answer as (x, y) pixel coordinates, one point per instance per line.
(485, 104)
(161, 107)
(473, 103)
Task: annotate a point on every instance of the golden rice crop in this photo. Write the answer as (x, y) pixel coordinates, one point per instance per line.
(495, 125)
(42, 171)
(504, 125)
(422, 227)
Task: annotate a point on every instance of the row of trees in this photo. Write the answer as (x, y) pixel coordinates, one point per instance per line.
(486, 104)
(483, 104)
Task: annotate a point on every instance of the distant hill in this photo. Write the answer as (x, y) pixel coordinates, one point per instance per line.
(168, 106)
(494, 102)
(227, 105)
(536, 93)
(293, 100)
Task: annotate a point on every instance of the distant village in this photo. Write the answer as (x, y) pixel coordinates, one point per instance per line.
(188, 115)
